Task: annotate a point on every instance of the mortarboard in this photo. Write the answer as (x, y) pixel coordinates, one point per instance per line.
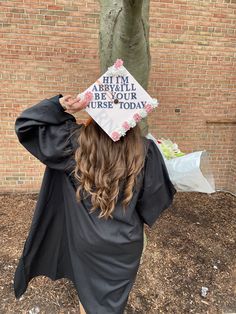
(117, 102)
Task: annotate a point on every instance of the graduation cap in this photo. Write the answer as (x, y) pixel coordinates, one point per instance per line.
(117, 102)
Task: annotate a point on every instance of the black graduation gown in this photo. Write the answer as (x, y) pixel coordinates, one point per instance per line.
(101, 257)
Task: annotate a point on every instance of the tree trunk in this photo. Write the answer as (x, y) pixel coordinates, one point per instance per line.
(124, 34)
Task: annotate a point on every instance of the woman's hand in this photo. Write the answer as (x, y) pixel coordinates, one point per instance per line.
(71, 104)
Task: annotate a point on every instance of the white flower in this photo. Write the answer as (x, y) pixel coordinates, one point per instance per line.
(121, 131)
(111, 71)
(143, 113)
(175, 148)
(121, 71)
(132, 123)
(154, 103)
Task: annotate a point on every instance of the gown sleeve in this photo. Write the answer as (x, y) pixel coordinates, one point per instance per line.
(45, 130)
(158, 192)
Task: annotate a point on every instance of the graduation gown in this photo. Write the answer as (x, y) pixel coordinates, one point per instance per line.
(101, 257)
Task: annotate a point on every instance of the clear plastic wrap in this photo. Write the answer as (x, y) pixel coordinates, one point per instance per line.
(191, 172)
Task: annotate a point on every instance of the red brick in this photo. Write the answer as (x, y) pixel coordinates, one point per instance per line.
(48, 49)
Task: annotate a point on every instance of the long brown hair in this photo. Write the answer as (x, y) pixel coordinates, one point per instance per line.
(103, 166)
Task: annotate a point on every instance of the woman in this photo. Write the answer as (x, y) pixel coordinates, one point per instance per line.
(95, 197)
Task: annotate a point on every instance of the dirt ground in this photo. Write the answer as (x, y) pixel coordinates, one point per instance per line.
(191, 246)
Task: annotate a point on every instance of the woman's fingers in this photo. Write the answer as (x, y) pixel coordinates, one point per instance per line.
(70, 101)
(77, 105)
(67, 99)
(74, 104)
(83, 103)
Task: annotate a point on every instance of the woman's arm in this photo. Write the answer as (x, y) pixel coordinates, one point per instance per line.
(45, 130)
(158, 191)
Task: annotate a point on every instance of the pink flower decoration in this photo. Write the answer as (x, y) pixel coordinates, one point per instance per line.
(115, 136)
(126, 126)
(118, 63)
(88, 97)
(148, 108)
(137, 117)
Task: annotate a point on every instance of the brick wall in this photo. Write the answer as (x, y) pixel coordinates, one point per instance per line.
(50, 47)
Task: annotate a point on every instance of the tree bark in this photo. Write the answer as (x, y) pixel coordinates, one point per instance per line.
(124, 34)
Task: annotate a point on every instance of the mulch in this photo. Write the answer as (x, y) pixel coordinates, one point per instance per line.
(191, 246)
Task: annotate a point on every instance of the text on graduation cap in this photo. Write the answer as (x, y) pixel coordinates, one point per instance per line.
(115, 90)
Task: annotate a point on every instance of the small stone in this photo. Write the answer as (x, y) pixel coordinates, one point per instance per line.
(215, 267)
(204, 291)
(34, 310)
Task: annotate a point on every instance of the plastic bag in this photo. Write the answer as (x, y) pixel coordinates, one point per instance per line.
(191, 172)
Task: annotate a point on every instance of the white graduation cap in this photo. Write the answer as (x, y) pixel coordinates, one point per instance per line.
(117, 102)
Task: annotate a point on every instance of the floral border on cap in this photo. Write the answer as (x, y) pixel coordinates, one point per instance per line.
(137, 117)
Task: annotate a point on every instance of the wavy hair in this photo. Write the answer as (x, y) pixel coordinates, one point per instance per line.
(104, 168)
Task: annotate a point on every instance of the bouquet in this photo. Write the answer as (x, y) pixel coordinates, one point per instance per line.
(188, 172)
